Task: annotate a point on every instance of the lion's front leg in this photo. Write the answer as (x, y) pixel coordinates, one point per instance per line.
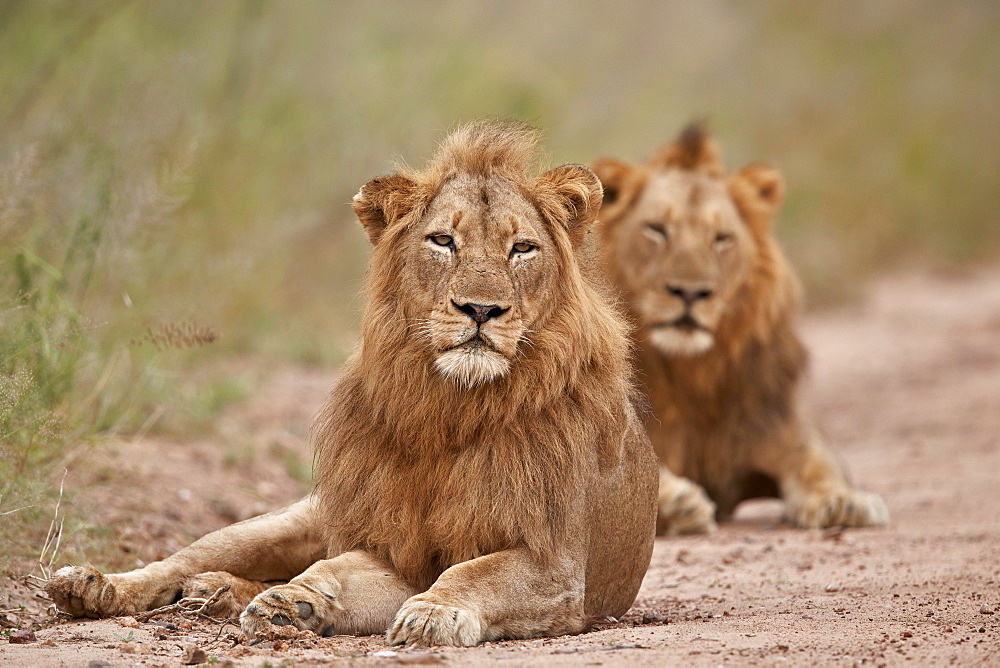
(353, 593)
(506, 594)
(276, 546)
(816, 491)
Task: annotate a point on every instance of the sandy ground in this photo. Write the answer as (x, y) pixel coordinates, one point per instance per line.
(907, 385)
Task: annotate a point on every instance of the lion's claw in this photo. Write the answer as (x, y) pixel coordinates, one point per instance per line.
(423, 623)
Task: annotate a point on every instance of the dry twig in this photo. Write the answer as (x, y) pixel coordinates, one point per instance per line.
(186, 607)
(605, 648)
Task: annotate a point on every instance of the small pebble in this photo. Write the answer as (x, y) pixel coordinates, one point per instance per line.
(132, 648)
(986, 610)
(97, 663)
(192, 654)
(832, 587)
(384, 654)
(982, 629)
(23, 637)
(651, 617)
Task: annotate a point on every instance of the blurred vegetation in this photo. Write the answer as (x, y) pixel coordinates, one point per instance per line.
(177, 165)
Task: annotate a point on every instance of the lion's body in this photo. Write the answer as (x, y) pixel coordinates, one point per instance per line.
(481, 471)
(714, 303)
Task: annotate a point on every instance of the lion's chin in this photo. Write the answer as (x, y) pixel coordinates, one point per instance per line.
(681, 342)
(469, 366)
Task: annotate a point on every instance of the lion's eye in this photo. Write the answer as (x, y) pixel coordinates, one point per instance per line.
(656, 230)
(723, 239)
(442, 240)
(521, 247)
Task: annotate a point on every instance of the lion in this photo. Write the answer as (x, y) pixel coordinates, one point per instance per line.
(481, 469)
(714, 303)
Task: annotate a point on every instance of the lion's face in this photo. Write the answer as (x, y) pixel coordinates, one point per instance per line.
(681, 254)
(681, 238)
(479, 274)
(474, 259)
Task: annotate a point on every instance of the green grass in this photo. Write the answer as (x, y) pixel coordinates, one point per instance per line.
(177, 165)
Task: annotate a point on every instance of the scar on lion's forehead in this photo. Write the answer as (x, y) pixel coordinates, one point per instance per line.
(456, 218)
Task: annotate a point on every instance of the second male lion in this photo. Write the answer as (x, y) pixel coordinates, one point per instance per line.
(714, 303)
(481, 472)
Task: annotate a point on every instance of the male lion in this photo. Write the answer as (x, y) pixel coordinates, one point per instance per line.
(481, 472)
(714, 302)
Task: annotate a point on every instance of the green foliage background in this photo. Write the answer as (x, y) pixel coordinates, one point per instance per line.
(193, 163)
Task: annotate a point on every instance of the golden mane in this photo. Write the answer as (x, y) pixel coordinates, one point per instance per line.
(694, 151)
(392, 414)
(482, 148)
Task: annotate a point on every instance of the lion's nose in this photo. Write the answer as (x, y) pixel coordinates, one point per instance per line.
(480, 312)
(687, 295)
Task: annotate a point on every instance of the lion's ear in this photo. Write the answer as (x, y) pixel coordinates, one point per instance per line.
(382, 201)
(622, 183)
(758, 191)
(570, 196)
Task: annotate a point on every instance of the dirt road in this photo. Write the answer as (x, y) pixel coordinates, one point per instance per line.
(907, 385)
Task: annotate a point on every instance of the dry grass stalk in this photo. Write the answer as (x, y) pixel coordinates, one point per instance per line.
(177, 336)
(53, 537)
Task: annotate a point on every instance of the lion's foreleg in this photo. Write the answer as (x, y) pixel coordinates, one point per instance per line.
(276, 546)
(506, 594)
(353, 593)
(813, 484)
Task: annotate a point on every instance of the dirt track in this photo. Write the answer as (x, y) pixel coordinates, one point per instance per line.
(907, 386)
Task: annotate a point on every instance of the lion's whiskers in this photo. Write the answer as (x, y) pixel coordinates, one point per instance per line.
(424, 327)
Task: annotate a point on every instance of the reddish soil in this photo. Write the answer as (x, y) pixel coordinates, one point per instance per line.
(907, 385)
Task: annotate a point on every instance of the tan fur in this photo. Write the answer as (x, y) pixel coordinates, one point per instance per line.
(508, 491)
(714, 301)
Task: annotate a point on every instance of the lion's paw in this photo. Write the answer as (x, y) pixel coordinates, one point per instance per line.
(684, 508)
(423, 623)
(232, 602)
(286, 604)
(83, 591)
(845, 507)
